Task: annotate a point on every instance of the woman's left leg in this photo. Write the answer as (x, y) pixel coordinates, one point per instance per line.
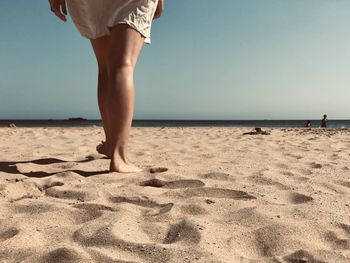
(101, 48)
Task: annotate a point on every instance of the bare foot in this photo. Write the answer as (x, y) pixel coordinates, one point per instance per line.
(123, 167)
(103, 149)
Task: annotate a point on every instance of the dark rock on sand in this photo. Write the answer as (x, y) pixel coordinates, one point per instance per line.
(257, 131)
(75, 119)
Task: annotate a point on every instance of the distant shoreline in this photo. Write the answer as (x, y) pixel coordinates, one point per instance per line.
(80, 122)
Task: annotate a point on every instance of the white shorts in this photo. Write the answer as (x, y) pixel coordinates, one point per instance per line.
(93, 18)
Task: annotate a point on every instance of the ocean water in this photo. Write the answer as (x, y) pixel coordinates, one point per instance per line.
(338, 124)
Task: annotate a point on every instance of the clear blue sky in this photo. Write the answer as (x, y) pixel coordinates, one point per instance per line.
(226, 59)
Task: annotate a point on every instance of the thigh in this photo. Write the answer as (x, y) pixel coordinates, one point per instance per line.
(125, 46)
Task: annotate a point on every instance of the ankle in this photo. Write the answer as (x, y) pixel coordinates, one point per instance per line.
(118, 157)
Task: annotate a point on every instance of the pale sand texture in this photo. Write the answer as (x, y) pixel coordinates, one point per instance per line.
(284, 197)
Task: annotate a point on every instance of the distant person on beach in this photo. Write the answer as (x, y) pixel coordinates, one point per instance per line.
(308, 124)
(117, 30)
(324, 122)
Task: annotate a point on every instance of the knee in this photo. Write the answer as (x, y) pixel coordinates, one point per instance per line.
(120, 66)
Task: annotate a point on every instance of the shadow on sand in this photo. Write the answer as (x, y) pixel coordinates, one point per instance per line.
(11, 167)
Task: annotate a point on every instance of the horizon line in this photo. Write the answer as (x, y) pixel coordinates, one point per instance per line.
(83, 119)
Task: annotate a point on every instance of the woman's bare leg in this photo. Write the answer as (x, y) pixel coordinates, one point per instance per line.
(101, 49)
(125, 47)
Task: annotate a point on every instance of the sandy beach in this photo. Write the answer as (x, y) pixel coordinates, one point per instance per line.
(223, 197)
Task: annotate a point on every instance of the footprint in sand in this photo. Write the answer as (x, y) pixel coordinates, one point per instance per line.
(346, 228)
(215, 193)
(344, 183)
(86, 212)
(282, 166)
(306, 172)
(98, 256)
(261, 180)
(217, 176)
(301, 256)
(287, 173)
(247, 217)
(69, 176)
(93, 207)
(193, 209)
(302, 179)
(183, 232)
(272, 240)
(316, 165)
(158, 170)
(144, 203)
(104, 237)
(81, 216)
(297, 198)
(63, 254)
(9, 233)
(49, 185)
(337, 242)
(34, 208)
(173, 184)
(86, 195)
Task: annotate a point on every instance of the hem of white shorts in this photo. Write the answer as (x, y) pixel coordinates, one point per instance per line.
(147, 39)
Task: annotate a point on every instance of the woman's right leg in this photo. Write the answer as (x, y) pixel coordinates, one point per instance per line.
(126, 45)
(101, 48)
